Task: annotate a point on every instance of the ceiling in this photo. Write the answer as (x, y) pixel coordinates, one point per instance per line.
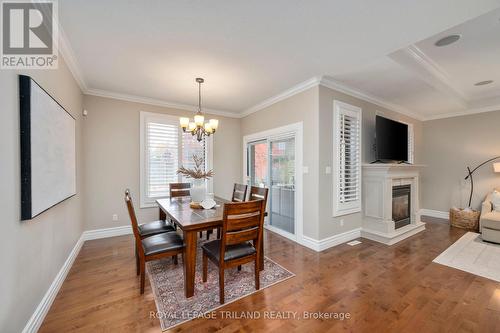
(253, 51)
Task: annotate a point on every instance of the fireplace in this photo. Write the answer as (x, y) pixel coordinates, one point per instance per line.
(401, 205)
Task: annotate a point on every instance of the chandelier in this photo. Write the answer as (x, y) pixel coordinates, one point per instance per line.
(199, 127)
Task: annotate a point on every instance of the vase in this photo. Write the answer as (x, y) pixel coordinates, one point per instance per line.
(198, 190)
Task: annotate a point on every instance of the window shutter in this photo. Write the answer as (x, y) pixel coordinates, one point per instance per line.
(162, 153)
(164, 148)
(347, 159)
(411, 144)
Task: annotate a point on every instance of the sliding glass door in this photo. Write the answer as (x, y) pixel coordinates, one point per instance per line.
(271, 164)
(282, 184)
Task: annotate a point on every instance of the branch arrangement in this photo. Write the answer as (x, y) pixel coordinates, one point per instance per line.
(198, 172)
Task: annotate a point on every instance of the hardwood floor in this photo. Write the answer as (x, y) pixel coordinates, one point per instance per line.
(385, 289)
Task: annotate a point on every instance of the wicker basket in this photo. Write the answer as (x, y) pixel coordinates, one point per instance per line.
(465, 219)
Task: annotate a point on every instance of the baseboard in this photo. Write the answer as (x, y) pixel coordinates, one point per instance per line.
(107, 232)
(326, 243)
(434, 213)
(43, 307)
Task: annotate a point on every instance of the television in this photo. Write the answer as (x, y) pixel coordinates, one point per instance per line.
(391, 141)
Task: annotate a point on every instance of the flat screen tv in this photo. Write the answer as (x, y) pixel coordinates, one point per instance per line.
(391, 141)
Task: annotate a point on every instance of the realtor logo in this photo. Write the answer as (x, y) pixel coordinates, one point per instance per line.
(29, 34)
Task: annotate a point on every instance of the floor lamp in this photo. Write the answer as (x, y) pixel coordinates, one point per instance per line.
(496, 168)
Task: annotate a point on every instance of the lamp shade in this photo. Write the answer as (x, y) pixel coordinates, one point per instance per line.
(496, 167)
(184, 122)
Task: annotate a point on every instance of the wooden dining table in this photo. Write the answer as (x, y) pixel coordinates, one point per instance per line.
(191, 221)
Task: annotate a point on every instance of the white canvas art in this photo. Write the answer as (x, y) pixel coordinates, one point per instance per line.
(52, 151)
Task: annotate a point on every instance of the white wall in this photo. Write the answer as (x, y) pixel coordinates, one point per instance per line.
(32, 252)
(111, 148)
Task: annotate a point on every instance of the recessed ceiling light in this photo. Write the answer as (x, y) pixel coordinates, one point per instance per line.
(483, 83)
(447, 40)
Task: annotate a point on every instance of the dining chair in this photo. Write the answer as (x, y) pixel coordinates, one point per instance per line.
(257, 193)
(150, 229)
(239, 193)
(242, 222)
(179, 190)
(167, 244)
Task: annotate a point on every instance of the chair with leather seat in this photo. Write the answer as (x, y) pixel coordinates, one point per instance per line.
(166, 244)
(150, 229)
(242, 223)
(239, 195)
(239, 192)
(258, 193)
(153, 228)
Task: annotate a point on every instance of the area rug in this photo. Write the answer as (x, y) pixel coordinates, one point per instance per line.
(471, 254)
(167, 283)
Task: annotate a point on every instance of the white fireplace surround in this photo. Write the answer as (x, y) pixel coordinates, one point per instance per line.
(378, 182)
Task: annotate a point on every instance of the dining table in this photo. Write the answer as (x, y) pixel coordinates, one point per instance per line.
(191, 221)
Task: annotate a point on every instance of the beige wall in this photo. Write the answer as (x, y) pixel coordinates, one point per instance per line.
(314, 108)
(33, 252)
(449, 146)
(302, 107)
(111, 147)
(329, 225)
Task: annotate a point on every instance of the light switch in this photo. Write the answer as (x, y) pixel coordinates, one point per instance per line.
(328, 170)
(305, 169)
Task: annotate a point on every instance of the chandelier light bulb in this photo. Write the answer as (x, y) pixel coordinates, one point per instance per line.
(199, 119)
(214, 123)
(184, 122)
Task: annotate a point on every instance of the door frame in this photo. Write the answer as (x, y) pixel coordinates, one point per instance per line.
(276, 133)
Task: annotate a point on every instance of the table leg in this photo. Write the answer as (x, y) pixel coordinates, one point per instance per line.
(189, 262)
(162, 215)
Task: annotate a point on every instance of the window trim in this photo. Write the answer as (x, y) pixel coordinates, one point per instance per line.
(337, 209)
(145, 201)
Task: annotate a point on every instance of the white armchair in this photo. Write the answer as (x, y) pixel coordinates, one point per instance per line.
(489, 224)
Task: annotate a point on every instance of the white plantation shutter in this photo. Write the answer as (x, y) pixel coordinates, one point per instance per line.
(162, 151)
(411, 144)
(164, 148)
(347, 159)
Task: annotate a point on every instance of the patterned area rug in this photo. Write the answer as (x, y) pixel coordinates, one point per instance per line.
(167, 283)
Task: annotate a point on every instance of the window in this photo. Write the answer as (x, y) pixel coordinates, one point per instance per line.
(346, 158)
(164, 148)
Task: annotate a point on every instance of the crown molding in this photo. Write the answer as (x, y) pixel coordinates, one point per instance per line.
(157, 102)
(66, 51)
(415, 60)
(335, 85)
(468, 112)
(312, 82)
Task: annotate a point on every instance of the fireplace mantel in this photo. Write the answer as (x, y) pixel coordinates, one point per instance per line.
(378, 183)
